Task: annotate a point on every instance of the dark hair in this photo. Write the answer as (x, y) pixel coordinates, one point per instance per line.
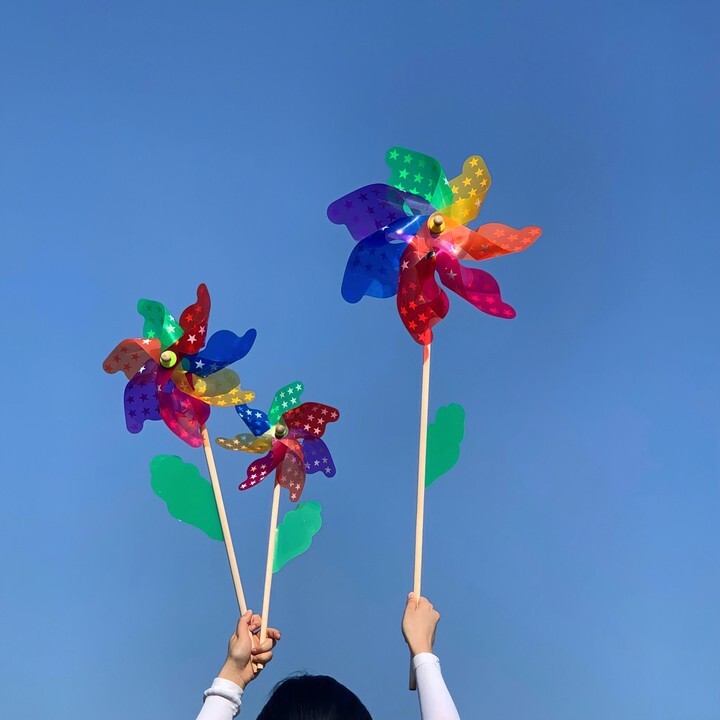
(313, 697)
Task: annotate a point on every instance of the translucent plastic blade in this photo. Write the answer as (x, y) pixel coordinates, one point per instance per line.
(373, 268)
(141, 398)
(419, 174)
(291, 474)
(183, 414)
(295, 533)
(370, 208)
(256, 420)
(476, 286)
(491, 240)
(443, 441)
(285, 399)
(260, 469)
(469, 189)
(223, 348)
(246, 443)
(188, 495)
(421, 302)
(194, 322)
(310, 419)
(221, 388)
(159, 323)
(130, 355)
(317, 457)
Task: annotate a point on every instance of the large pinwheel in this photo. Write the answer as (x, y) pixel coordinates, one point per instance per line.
(413, 228)
(292, 433)
(173, 375)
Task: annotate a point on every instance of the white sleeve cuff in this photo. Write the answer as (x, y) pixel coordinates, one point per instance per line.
(424, 659)
(227, 690)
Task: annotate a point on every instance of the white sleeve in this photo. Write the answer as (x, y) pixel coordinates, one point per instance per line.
(222, 701)
(435, 700)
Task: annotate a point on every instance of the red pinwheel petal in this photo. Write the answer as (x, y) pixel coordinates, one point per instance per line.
(422, 303)
(260, 469)
(194, 322)
(310, 419)
(476, 286)
(130, 355)
(489, 241)
(291, 474)
(183, 414)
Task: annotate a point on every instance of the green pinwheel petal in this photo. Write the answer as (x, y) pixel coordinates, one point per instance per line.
(188, 495)
(159, 323)
(285, 399)
(295, 533)
(443, 441)
(411, 171)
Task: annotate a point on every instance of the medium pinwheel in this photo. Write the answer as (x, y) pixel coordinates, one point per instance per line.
(292, 433)
(173, 375)
(414, 227)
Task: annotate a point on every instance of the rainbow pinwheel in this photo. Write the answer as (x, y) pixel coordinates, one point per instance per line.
(292, 433)
(173, 375)
(414, 227)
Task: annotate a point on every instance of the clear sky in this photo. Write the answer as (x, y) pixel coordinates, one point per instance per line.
(573, 552)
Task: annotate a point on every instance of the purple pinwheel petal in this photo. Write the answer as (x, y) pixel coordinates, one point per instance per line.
(256, 420)
(183, 414)
(373, 268)
(258, 470)
(141, 402)
(223, 348)
(317, 457)
(371, 208)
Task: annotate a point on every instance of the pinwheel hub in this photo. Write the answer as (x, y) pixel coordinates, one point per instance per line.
(436, 223)
(168, 359)
(280, 431)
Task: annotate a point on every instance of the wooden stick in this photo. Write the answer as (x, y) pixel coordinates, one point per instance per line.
(420, 508)
(270, 560)
(242, 605)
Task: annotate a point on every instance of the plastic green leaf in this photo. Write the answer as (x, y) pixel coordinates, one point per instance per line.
(443, 441)
(411, 171)
(295, 533)
(188, 495)
(285, 399)
(159, 323)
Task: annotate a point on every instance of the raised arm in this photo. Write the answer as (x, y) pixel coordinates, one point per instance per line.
(418, 626)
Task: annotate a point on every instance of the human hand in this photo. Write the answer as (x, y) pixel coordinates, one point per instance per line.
(418, 625)
(246, 654)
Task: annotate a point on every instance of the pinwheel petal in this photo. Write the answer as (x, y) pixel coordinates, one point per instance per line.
(491, 240)
(285, 399)
(223, 348)
(221, 388)
(256, 420)
(291, 474)
(261, 468)
(317, 457)
(194, 322)
(141, 398)
(183, 414)
(476, 286)
(422, 303)
(159, 323)
(469, 189)
(310, 419)
(246, 443)
(420, 174)
(131, 355)
(371, 208)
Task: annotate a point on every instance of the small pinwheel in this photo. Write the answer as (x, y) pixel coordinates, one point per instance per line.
(414, 227)
(171, 377)
(292, 433)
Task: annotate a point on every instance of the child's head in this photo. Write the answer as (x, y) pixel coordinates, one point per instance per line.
(313, 697)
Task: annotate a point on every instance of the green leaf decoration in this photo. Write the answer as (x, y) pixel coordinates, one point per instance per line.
(159, 323)
(443, 441)
(411, 171)
(188, 495)
(285, 399)
(295, 533)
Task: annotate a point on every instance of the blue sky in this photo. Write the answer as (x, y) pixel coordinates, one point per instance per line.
(573, 551)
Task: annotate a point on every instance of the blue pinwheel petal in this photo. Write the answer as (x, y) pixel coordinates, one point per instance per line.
(222, 349)
(317, 457)
(256, 420)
